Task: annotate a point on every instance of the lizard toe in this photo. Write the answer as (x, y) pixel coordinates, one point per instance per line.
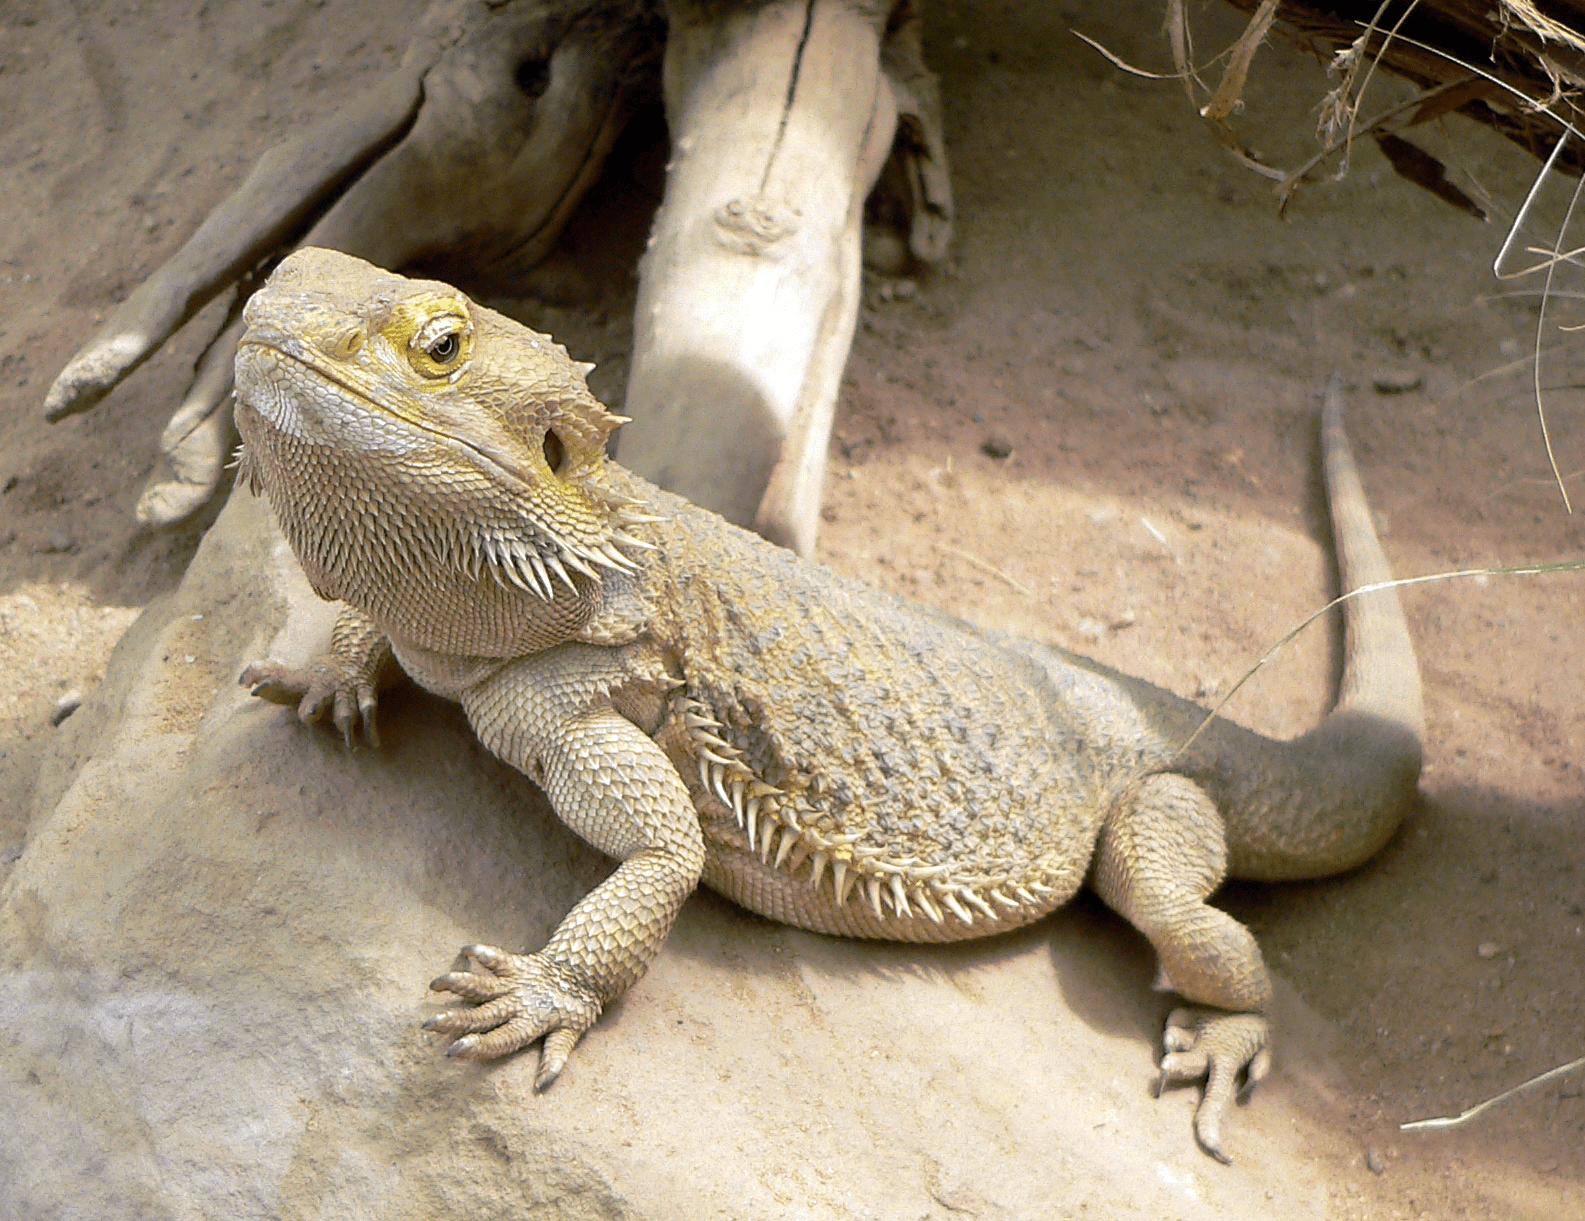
(553, 1055)
(493, 1044)
(471, 986)
(487, 1016)
(1181, 1030)
(1255, 1074)
(345, 717)
(368, 700)
(276, 683)
(490, 957)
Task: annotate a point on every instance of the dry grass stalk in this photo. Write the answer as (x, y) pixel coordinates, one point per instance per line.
(1547, 29)
(1229, 95)
(990, 570)
(1463, 1117)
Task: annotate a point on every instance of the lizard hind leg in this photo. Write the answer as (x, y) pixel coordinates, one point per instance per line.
(1162, 852)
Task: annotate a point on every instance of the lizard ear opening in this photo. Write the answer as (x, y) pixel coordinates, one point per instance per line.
(555, 452)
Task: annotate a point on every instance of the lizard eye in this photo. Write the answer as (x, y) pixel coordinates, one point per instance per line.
(444, 350)
(555, 452)
(441, 344)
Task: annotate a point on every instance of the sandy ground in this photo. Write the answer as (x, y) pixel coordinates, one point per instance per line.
(1128, 322)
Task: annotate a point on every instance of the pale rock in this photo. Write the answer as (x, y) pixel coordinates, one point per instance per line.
(215, 946)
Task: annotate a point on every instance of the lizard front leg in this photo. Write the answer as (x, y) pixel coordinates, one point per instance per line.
(551, 716)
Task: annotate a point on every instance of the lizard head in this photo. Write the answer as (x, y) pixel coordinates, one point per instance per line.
(478, 433)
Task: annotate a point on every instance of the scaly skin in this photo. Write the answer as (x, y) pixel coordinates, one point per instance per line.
(701, 705)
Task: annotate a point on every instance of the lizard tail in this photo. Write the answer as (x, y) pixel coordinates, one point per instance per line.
(1381, 677)
(1329, 800)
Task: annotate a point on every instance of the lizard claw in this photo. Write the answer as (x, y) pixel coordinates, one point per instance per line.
(524, 997)
(1218, 1048)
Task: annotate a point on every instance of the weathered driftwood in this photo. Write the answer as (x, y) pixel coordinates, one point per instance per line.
(477, 150)
(780, 120)
(477, 147)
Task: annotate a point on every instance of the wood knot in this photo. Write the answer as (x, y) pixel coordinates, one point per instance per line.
(751, 226)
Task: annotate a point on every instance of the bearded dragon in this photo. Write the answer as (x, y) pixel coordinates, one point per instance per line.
(703, 706)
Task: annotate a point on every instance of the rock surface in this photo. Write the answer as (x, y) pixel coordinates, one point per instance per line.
(214, 951)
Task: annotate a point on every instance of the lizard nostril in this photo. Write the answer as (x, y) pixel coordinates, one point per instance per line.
(343, 345)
